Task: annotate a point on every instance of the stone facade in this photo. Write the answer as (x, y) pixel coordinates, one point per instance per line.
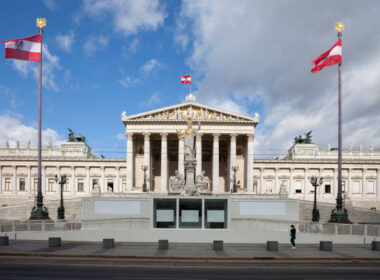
(224, 140)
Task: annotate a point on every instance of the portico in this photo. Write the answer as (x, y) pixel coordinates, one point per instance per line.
(224, 140)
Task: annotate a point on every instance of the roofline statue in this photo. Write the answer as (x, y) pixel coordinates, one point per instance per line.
(303, 140)
(72, 138)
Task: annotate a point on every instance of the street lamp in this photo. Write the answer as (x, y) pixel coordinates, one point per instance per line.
(315, 183)
(235, 169)
(144, 168)
(61, 208)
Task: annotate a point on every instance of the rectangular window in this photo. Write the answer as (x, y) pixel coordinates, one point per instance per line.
(109, 185)
(66, 186)
(370, 187)
(7, 186)
(356, 186)
(50, 185)
(298, 188)
(95, 184)
(80, 185)
(21, 184)
(124, 184)
(343, 186)
(35, 184)
(327, 188)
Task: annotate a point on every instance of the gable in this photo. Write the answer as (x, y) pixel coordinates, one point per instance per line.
(194, 110)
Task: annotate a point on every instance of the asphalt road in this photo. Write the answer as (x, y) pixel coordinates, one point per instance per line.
(47, 270)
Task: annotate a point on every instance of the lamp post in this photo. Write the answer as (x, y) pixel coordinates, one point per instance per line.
(235, 169)
(315, 183)
(61, 208)
(144, 168)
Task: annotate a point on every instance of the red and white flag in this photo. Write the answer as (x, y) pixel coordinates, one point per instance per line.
(186, 79)
(331, 57)
(28, 48)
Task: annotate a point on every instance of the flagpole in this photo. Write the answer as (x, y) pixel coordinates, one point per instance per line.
(339, 214)
(39, 212)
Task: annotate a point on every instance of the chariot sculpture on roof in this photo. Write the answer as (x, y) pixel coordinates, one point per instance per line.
(78, 138)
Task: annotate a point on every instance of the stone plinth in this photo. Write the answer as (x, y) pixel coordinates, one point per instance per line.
(325, 245)
(217, 245)
(163, 244)
(108, 243)
(272, 245)
(4, 240)
(55, 242)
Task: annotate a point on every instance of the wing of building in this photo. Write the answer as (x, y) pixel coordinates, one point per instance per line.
(223, 152)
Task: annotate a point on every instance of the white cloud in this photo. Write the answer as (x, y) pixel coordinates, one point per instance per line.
(12, 130)
(129, 17)
(94, 44)
(50, 66)
(131, 48)
(51, 4)
(150, 65)
(153, 100)
(65, 41)
(128, 81)
(259, 50)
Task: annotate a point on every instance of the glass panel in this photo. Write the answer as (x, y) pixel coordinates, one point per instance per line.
(215, 213)
(190, 213)
(164, 213)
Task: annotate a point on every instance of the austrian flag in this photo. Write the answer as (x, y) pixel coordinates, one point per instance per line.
(331, 57)
(186, 79)
(28, 48)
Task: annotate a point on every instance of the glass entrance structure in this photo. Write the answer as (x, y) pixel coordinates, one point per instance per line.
(190, 213)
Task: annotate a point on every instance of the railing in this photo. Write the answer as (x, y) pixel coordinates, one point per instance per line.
(307, 227)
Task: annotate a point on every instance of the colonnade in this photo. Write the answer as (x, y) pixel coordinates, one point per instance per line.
(198, 149)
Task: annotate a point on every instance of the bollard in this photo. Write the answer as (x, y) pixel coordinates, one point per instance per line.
(163, 244)
(325, 245)
(55, 242)
(108, 243)
(217, 245)
(375, 246)
(272, 245)
(4, 241)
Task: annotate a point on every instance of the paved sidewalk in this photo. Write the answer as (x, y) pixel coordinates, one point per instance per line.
(188, 251)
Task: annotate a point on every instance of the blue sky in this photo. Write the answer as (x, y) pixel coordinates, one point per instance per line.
(105, 57)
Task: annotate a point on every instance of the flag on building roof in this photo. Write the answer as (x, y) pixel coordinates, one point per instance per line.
(331, 57)
(28, 48)
(186, 79)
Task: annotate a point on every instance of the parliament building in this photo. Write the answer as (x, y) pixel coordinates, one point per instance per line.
(225, 163)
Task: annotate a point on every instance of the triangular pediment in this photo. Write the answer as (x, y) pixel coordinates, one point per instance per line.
(183, 111)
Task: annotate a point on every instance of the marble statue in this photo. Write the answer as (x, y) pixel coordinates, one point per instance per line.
(189, 139)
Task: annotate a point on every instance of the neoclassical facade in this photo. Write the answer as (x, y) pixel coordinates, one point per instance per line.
(224, 140)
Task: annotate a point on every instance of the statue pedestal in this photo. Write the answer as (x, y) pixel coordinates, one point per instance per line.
(190, 173)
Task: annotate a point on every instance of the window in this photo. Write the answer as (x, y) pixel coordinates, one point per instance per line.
(35, 184)
(254, 185)
(7, 186)
(109, 185)
(343, 186)
(95, 184)
(50, 185)
(298, 188)
(124, 184)
(327, 188)
(356, 186)
(370, 187)
(66, 186)
(80, 185)
(21, 184)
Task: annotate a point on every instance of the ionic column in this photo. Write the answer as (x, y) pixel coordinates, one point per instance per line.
(164, 162)
(117, 183)
(15, 179)
(181, 156)
(198, 151)
(276, 187)
(378, 183)
(130, 161)
(232, 158)
(249, 178)
(88, 181)
(73, 189)
(147, 158)
(260, 189)
(349, 182)
(215, 163)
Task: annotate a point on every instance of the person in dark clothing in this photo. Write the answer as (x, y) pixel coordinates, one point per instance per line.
(293, 236)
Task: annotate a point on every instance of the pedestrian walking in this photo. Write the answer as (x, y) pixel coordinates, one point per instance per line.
(293, 236)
